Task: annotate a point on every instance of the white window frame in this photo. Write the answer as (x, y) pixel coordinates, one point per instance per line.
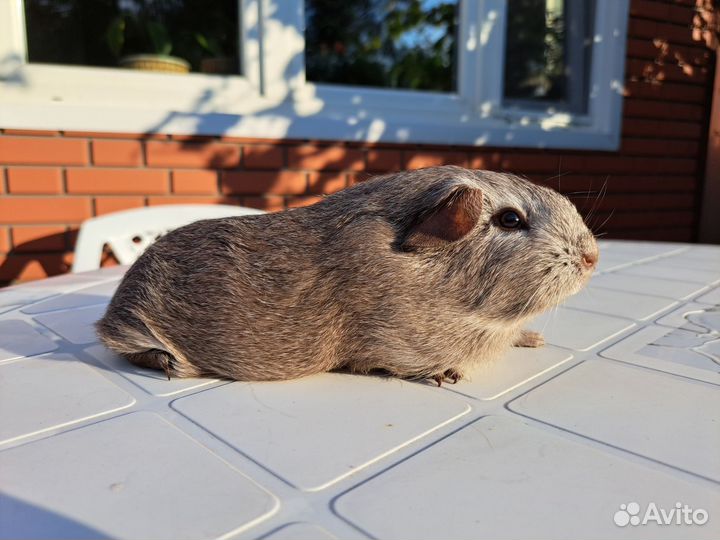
(273, 100)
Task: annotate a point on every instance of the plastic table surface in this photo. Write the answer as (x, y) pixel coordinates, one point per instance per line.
(602, 433)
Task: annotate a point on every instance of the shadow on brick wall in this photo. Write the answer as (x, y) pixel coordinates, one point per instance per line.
(52, 254)
(33, 259)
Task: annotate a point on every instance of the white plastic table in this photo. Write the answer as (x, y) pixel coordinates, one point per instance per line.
(618, 415)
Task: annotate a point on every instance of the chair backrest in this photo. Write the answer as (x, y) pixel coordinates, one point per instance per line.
(130, 232)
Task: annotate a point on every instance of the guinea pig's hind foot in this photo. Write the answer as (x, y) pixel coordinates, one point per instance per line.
(153, 359)
(452, 375)
(529, 338)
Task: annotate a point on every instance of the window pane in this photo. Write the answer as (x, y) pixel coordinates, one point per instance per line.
(196, 35)
(547, 52)
(383, 43)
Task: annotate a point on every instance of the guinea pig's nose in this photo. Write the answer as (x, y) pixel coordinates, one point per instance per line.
(589, 259)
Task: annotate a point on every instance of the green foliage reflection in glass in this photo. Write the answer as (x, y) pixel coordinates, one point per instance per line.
(535, 50)
(384, 43)
(99, 32)
(155, 35)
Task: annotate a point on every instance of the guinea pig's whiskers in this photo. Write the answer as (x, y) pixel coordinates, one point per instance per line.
(598, 201)
(604, 222)
(587, 195)
(591, 294)
(530, 300)
(558, 176)
(587, 192)
(556, 309)
(550, 317)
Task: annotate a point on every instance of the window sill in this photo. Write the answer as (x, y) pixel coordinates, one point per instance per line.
(111, 100)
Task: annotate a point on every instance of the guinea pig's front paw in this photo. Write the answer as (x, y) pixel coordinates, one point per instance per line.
(453, 375)
(529, 338)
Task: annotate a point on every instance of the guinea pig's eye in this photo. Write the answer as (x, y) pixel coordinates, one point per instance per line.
(510, 219)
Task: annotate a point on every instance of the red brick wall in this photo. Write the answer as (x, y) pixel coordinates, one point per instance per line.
(51, 181)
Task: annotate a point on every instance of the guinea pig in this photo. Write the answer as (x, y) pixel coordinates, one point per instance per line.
(418, 274)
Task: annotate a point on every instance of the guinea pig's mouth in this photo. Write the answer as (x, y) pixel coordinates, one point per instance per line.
(569, 288)
(568, 280)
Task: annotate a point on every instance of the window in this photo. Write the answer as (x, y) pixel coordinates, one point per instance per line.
(163, 35)
(387, 44)
(525, 73)
(548, 49)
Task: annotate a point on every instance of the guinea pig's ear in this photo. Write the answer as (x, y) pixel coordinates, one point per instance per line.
(447, 221)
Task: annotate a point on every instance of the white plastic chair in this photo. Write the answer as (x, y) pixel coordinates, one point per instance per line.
(130, 232)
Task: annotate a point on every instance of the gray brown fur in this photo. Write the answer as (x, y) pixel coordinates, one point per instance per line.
(352, 282)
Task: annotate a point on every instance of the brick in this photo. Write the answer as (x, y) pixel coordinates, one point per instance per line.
(326, 183)
(117, 181)
(651, 10)
(122, 135)
(329, 158)
(117, 153)
(27, 267)
(661, 50)
(269, 204)
(384, 160)
(34, 180)
(264, 156)
(624, 220)
(38, 238)
(603, 164)
(486, 161)
(647, 49)
(71, 235)
(640, 201)
(307, 200)
(684, 234)
(192, 154)
(641, 28)
(681, 14)
(31, 132)
(649, 183)
(37, 210)
(673, 92)
(659, 147)
(4, 239)
(108, 260)
(108, 205)
(619, 184)
(659, 128)
(688, 55)
(43, 151)
(521, 163)
(155, 201)
(669, 166)
(188, 182)
(192, 138)
(260, 140)
(421, 160)
(259, 183)
(648, 108)
(666, 71)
